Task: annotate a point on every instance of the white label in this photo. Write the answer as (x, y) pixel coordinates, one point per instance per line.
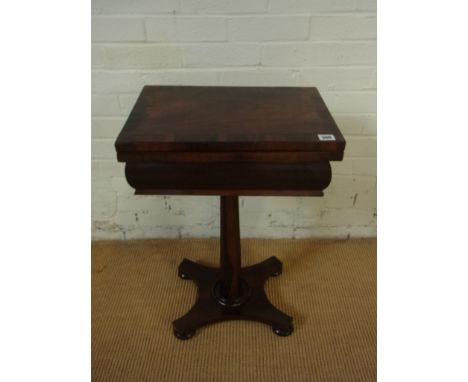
(326, 137)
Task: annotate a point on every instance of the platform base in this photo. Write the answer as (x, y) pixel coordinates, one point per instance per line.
(253, 303)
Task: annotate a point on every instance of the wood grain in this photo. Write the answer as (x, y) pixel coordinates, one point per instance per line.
(228, 119)
(234, 178)
(229, 142)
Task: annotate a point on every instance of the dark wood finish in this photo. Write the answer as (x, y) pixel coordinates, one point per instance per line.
(237, 192)
(229, 141)
(207, 309)
(240, 178)
(230, 260)
(239, 156)
(227, 119)
(231, 292)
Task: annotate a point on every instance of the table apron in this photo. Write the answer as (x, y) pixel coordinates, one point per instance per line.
(229, 178)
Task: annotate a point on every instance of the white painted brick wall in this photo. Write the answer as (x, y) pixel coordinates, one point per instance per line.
(318, 53)
(343, 28)
(223, 6)
(186, 29)
(118, 29)
(330, 44)
(311, 6)
(268, 28)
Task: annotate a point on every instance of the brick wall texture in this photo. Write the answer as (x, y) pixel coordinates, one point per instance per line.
(330, 44)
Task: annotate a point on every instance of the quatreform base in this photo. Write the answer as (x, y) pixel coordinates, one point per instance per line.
(212, 306)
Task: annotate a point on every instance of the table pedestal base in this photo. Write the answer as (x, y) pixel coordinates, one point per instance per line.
(212, 305)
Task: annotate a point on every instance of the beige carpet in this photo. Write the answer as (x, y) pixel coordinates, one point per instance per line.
(329, 287)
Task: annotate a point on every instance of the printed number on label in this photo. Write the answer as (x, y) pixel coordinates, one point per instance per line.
(326, 137)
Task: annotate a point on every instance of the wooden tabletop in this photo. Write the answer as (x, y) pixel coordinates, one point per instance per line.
(229, 120)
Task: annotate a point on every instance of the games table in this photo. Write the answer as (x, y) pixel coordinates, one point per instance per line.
(231, 142)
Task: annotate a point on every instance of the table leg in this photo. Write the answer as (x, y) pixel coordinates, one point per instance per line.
(230, 259)
(231, 292)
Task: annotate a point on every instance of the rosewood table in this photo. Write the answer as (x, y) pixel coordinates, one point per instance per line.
(229, 141)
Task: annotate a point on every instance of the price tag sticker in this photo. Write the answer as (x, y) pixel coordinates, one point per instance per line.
(326, 137)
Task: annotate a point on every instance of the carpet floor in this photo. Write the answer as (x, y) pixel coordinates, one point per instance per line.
(328, 286)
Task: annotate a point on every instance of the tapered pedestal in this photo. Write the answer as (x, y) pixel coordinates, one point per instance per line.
(231, 292)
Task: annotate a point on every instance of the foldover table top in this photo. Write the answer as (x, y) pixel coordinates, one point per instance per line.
(229, 141)
(178, 119)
